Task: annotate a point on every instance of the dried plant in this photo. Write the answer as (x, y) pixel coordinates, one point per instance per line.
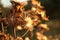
(29, 20)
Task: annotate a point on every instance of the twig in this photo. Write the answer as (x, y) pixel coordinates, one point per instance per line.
(25, 33)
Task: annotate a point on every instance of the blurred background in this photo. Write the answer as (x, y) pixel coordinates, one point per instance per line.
(53, 11)
(52, 8)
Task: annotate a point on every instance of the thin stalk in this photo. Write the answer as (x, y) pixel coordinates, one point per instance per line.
(2, 27)
(25, 33)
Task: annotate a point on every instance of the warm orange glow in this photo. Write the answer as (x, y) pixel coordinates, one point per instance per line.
(19, 28)
(34, 2)
(44, 26)
(19, 38)
(28, 20)
(43, 15)
(40, 36)
(27, 38)
(29, 23)
(33, 9)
